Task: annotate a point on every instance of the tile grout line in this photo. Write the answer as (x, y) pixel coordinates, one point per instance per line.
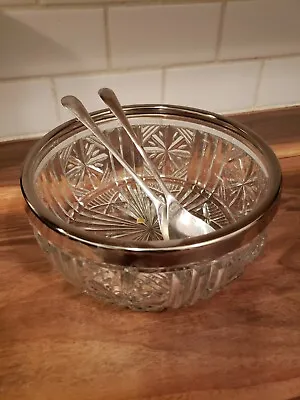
(41, 6)
(55, 97)
(258, 84)
(107, 38)
(220, 29)
(163, 85)
(100, 3)
(147, 68)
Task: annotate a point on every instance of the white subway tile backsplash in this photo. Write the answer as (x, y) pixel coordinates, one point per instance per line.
(163, 34)
(216, 87)
(26, 107)
(258, 28)
(131, 87)
(77, 46)
(280, 82)
(46, 42)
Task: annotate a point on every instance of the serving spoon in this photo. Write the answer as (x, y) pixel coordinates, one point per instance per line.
(181, 223)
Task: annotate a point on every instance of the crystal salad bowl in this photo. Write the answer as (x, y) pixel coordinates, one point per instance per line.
(101, 231)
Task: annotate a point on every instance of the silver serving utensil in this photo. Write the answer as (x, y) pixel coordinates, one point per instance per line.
(77, 108)
(181, 223)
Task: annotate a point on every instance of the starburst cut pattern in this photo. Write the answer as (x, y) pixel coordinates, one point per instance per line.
(120, 213)
(85, 163)
(241, 183)
(169, 149)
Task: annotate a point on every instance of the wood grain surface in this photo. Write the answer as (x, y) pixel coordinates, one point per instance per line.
(244, 343)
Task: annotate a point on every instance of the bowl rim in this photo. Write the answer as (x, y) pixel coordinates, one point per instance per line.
(242, 231)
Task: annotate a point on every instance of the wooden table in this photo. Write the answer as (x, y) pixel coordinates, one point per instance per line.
(242, 344)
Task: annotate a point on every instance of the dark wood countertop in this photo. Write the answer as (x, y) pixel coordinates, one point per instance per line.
(242, 344)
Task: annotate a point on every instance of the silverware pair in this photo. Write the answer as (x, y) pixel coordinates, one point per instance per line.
(174, 220)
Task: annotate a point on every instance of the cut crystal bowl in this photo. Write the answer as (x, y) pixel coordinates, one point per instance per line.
(100, 230)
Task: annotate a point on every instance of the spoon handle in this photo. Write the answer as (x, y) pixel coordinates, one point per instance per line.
(110, 99)
(77, 108)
